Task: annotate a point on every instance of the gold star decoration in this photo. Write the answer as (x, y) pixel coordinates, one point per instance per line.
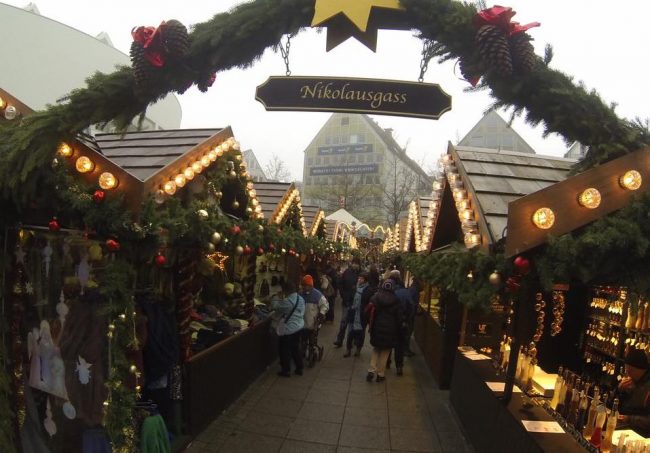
(352, 19)
(219, 259)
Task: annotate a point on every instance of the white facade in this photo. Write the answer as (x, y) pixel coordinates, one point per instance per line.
(43, 60)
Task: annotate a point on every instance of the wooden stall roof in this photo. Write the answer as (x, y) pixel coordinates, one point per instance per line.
(142, 154)
(562, 199)
(494, 178)
(310, 213)
(270, 195)
(331, 228)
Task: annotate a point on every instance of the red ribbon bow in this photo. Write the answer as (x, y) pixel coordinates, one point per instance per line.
(501, 16)
(151, 40)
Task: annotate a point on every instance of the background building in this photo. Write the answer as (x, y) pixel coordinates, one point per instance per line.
(355, 164)
(44, 60)
(493, 132)
(253, 165)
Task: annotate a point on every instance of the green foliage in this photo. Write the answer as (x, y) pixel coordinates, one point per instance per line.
(449, 269)
(614, 249)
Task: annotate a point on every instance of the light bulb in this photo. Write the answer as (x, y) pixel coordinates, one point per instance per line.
(170, 187)
(180, 180)
(205, 161)
(189, 173)
(65, 150)
(84, 165)
(197, 167)
(631, 180)
(590, 198)
(544, 218)
(212, 155)
(107, 181)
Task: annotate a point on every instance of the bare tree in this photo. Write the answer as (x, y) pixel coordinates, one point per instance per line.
(276, 169)
(400, 189)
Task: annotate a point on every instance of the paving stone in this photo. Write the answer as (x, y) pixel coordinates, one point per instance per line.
(296, 446)
(408, 404)
(315, 431)
(367, 388)
(453, 442)
(316, 395)
(268, 424)
(336, 373)
(243, 442)
(295, 393)
(337, 385)
(364, 416)
(276, 406)
(414, 440)
(321, 411)
(360, 450)
(364, 437)
(410, 418)
(368, 401)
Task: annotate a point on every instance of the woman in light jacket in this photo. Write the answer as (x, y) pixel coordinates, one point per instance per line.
(291, 311)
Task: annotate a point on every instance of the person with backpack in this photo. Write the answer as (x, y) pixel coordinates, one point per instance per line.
(385, 321)
(316, 307)
(347, 288)
(357, 318)
(291, 310)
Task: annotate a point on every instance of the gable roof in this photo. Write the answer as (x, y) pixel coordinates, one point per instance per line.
(344, 216)
(487, 181)
(493, 132)
(270, 195)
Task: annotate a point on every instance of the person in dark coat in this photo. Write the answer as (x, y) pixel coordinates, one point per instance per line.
(357, 318)
(385, 320)
(347, 289)
(407, 306)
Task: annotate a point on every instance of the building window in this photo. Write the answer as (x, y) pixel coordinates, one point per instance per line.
(361, 138)
(310, 161)
(354, 139)
(345, 121)
(326, 160)
(344, 139)
(328, 140)
(336, 140)
(318, 161)
(353, 159)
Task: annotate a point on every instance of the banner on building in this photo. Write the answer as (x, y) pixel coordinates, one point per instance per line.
(344, 170)
(353, 95)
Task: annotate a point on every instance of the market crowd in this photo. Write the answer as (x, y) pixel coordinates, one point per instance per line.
(373, 303)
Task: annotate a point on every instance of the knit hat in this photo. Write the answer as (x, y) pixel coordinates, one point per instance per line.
(637, 358)
(364, 275)
(308, 280)
(395, 274)
(387, 285)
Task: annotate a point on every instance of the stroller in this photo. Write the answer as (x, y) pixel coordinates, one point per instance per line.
(313, 352)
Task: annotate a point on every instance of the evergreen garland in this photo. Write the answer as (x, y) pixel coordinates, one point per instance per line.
(239, 37)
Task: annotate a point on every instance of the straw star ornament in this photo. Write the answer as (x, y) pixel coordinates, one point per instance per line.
(350, 19)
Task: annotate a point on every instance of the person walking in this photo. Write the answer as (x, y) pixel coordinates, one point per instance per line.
(347, 289)
(407, 306)
(291, 310)
(357, 318)
(316, 306)
(385, 323)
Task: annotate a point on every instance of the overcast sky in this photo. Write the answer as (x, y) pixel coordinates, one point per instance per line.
(602, 44)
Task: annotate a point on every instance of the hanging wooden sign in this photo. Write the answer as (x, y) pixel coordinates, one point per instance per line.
(353, 95)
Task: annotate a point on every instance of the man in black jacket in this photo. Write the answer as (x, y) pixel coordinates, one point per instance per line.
(347, 288)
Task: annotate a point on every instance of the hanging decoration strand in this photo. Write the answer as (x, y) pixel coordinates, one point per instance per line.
(284, 50)
(428, 52)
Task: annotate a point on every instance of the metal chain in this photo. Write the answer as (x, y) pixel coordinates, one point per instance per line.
(285, 53)
(428, 48)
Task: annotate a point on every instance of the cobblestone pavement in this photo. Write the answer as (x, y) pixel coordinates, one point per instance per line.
(333, 409)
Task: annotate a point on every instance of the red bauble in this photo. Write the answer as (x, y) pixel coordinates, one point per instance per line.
(271, 248)
(235, 229)
(112, 245)
(260, 251)
(292, 252)
(54, 225)
(522, 265)
(247, 250)
(160, 260)
(512, 284)
(99, 196)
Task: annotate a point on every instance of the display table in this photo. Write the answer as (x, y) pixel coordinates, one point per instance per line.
(216, 377)
(492, 426)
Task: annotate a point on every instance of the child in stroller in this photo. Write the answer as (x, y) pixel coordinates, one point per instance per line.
(316, 308)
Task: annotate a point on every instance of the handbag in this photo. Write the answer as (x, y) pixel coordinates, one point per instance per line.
(281, 328)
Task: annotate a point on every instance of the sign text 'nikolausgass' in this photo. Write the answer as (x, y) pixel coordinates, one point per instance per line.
(353, 95)
(332, 90)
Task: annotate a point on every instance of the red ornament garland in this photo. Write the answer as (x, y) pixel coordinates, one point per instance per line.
(112, 245)
(98, 196)
(160, 260)
(54, 225)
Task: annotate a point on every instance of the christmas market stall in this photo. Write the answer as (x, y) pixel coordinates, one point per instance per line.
(127, 285)
(583, 303)
(459, 249)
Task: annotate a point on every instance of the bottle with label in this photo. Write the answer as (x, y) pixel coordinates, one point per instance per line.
(591, 414)
(597, 435)
(568, 396)
(556, 390)
(562, 395)
(583, 407)
(572, 413)
(611, 426)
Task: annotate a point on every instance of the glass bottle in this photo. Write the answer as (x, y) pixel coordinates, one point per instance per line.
(596, 436)
(583, 407)
(611, 426)
(640, 316)
(572, 412)
(644, 324)
(556, 390)
(563, 390)
(568, 396)
(530, 374)
(520, 361)
(630, 321)
(591, 414)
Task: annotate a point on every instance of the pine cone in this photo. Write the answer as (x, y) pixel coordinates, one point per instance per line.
(523, 53)
(494, 49)
(175, 39)
(141, 68)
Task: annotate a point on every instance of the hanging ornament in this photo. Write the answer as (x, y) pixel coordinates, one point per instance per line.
(512, 284)
(232, 174)
(210, 247)
(218, 194)
(249, 211)
(522, 265)
(271, 248)
(247, 250)
(99, 196)
(239, 250)
(235, 229)
(495, 278)
(260, 228)
(95, 252)
(470, 276)
(235, 204)
(216, 238)
(53, 225)
(202, 213)
(558, 312)
(160, 260)
(112, 245)
(260, 251)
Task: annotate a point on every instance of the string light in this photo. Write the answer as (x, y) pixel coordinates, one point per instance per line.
(180, 180)
(631, 180)
(189, 173)
(64, 149)
(205, 161)
(84, 164)
(544, 218)
(108, 181)
(170, 187)
(197, 167)
(212, 155)
(590, 198)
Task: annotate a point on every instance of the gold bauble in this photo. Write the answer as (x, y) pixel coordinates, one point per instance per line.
(239, 250)
(235, 204)
(216, 238)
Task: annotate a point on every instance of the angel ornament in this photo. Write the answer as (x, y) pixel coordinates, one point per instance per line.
(83, 369)
(47, 258)
(83, 272)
